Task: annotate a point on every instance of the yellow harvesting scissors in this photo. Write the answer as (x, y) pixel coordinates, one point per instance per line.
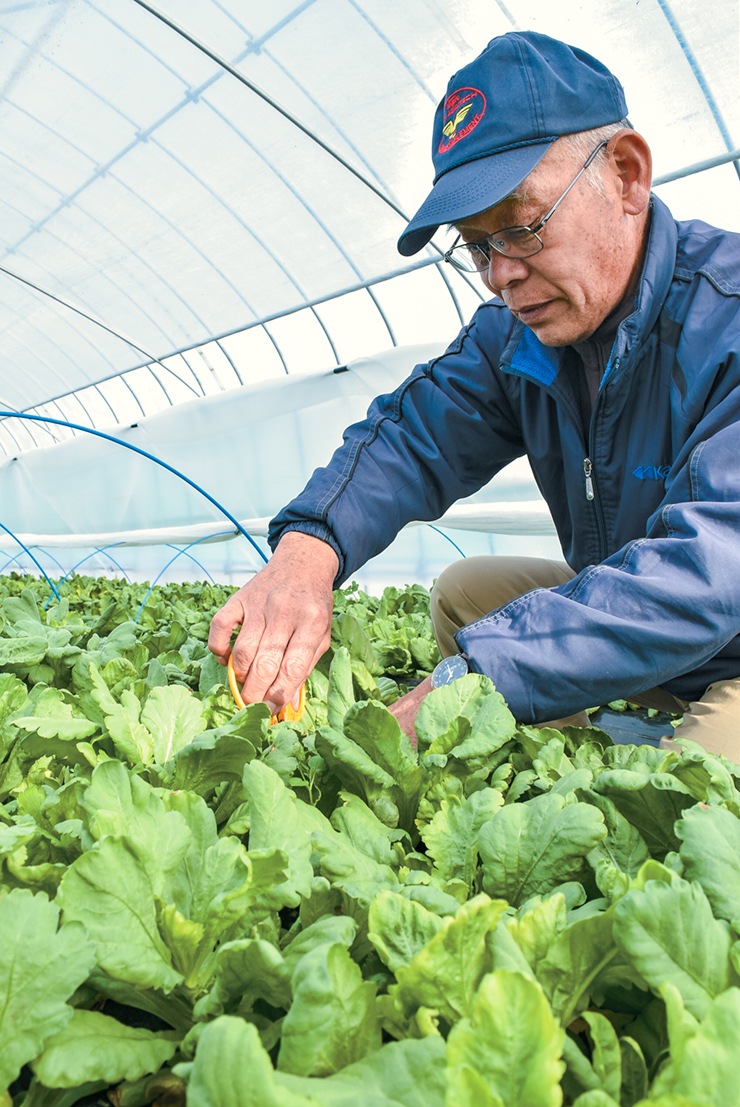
(288, 713)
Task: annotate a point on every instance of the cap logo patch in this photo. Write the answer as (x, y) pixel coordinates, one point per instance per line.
(463, 111)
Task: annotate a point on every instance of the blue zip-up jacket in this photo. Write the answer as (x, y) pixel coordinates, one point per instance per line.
(656, 598)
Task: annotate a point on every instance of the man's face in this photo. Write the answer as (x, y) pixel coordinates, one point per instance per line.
(590, 252)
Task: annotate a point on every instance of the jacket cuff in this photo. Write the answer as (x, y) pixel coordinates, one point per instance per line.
(315, 530)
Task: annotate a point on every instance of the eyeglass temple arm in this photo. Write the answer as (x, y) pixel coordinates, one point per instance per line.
(557, 203)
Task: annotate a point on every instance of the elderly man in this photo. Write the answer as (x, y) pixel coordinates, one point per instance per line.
(609, 356)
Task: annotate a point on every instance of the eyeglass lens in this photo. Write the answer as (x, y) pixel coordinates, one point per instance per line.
(513, 242)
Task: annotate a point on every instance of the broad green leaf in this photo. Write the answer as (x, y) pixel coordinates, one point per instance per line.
(431, 897)
(13, 695)
(331, 930)
(358, 773)
(345, 867)
(681, 1026)
(490, 724)
(363, 829)
(95, 1047)
(112, 893)
(710, 852)
(634, 1071)
(173, 717)
(119, 803)
(232, 1069)
(536, 929)
(20, 608)
(341, 692)
(552, 763)
(530, 848)
(467, 1088)
(707, 777)
(703, 1065)
(573, 781)
(451, 837)
(580, 1073)
(211, 891)
(22, 651)
(186, 941)
(284, 752)
(211, 674)
(54, 717)
(122, 673)
(576, 959)
(346, 632)
(269, 867)
(506, 953)
(399, 928)
(606, 1059)
(670, 935)
(213, 883)
(645, 759)
(129, 735)
(651, 803)
(445, 974)
(379, 734)
(246, 970)
(276, 823)
(600, 1098)
(210, 759)
(409, 1073)
(40, 968)
(621, 854)
(332, 1020)
(511, 1040)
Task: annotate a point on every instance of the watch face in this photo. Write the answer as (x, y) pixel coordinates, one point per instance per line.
(449, 669)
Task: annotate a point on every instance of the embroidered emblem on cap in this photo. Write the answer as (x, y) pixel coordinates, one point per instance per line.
(463, 111)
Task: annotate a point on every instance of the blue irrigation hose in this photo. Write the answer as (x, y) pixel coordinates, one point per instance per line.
(98, 550)
(432, 527)
(13, 557)
(58, 564)
(87, 557)
(195, 561)
(136, 450)
(170, 562)
(38, 565)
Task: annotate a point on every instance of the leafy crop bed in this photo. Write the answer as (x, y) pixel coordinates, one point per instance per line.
(194, 903)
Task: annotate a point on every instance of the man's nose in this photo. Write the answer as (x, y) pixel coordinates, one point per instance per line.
(504, 271)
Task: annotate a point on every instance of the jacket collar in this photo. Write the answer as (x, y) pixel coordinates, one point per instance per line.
(526, 356)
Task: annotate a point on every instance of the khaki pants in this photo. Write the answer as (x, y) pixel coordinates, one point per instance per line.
(470, 588)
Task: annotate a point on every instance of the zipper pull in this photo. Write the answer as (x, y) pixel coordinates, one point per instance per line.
(587, 467)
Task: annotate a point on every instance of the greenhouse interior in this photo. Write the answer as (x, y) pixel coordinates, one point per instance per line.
(206, 902)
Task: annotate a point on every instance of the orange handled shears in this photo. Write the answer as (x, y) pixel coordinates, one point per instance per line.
(288, 713)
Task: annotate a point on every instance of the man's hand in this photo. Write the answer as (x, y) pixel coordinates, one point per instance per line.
(406, 708)
(285, 617)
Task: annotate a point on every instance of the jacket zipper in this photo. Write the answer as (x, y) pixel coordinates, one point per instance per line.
(589, 476)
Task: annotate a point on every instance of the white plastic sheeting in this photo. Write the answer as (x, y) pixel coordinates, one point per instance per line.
(250, 450)
(142, 182)
(198, 195)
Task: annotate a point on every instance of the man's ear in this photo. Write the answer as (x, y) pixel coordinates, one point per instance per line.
(633, 165)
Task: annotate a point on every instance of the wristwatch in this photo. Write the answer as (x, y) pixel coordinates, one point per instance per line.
(449, 669)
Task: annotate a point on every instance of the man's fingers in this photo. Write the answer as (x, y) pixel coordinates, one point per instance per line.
(276, 678)
(285, 616)
(223, 625)
(306, 646)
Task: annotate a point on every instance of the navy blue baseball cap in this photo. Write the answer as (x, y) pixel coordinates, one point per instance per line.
(499, 118)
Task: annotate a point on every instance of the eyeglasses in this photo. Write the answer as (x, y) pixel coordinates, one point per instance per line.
(512, 242)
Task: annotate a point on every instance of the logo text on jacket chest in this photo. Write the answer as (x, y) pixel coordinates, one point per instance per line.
(651, 472)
